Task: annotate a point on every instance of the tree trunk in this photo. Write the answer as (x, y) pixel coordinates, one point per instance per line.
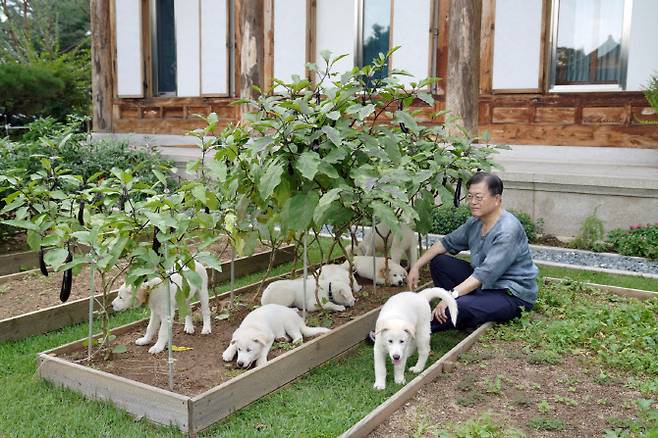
(462, 90)
(101, 65)
(251, 46)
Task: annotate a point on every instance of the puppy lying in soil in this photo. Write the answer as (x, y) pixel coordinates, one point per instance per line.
(363, 266)
(334, 296)
(257, 332)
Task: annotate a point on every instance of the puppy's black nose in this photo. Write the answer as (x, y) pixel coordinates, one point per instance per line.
(396, 356)
(240, 364)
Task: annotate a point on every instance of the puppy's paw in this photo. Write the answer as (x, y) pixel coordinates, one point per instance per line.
(142, 341)
(227, 357)
(189, 329)
(379, 386)
(206, 330)
(400, 381)
(339, 308)
(415, 369)
(156, 349)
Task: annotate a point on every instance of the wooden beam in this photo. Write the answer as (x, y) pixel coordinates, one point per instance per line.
(251, 47)
(462, 92)
(311, 30)
(268, 32)
(386, 409)
(487, 46)
(101, 65)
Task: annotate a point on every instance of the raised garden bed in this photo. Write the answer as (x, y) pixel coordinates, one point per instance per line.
(212, 390)
(29, 306)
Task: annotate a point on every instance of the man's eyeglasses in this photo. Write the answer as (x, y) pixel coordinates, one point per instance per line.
(475, 199)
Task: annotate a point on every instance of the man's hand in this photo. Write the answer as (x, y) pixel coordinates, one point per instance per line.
(439, 312)
(412, 278)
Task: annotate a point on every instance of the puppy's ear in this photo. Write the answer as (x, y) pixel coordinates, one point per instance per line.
(233, 341)
(260, 339)
(411, 330)
(142, 295)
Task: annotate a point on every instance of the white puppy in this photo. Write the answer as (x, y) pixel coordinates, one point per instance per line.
(334, 296)
(364, 267)
(253, 339)
(402, 245)
(154, 293)
(339, 273)
(402, 326)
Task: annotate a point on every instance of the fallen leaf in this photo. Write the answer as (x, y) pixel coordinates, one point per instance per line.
(177, 348)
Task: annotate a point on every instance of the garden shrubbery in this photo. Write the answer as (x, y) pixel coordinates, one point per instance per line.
(638, 240)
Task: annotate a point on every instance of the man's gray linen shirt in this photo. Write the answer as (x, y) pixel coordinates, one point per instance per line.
(500, 259)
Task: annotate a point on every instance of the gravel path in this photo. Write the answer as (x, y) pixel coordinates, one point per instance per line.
(581, 258)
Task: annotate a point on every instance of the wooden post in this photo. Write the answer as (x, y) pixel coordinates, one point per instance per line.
(462, 94)
(251, 47)
(101, 65)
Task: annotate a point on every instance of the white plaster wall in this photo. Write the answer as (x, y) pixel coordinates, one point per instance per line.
(336, 31)
(289, 38)
(128, 33)
(643, 47)
(214, 52)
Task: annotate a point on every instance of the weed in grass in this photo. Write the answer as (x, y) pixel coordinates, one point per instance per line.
(486, 425)
(648, 387)
(469, 399)
(2, 290)
(602, 402)
(494, 386)
(424, 426)
(567, 401)
(467, 383)
(541, 422)
(476, 356)
(544, 407)
(522, 399)
(643, 424)
(535, 386)
(603, 378)
(544, 357)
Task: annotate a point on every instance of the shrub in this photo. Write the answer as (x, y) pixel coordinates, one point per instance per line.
(591, 235)
(640, 241)
(447, 218)
(529, 225)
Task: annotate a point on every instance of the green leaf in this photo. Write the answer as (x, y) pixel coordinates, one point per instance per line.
(366, 111)
(33, 240)
(333, 134)
(325, 203)
(199, 192)
(27, 225)
(181, 298)
(335, 155)
(308, 164)
(119, 348)
(405, 117)
(56, 257)
(209, 260)
(193, 278)
(385, 214)
(333, 115)
(298, 211)
(270, 180)
(424, 206)
(426, 97)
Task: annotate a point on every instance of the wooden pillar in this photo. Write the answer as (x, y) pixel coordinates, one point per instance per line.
(101, 65)
(251, 46)
(462, 88)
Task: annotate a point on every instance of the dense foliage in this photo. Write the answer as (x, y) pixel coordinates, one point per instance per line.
(638, 240)
(448, 218)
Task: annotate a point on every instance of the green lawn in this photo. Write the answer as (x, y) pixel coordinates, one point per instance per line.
(342, 388)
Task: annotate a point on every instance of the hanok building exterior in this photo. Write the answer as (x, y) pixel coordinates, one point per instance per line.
(559, 80)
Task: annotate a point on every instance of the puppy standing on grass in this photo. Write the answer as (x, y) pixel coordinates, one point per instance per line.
(402, 326)
(154, 293)
(258, 330)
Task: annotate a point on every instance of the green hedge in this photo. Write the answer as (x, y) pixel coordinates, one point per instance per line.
(638, 240)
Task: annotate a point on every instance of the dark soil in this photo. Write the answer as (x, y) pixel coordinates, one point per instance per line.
(570, 397)
(32, 291)
(202, 368)
(14, 243)
(550, 240)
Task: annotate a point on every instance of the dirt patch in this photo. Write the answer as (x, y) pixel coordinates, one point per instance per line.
(14, 243)
(202, 368)
(550, 240)
(568, 399)
(32, 291)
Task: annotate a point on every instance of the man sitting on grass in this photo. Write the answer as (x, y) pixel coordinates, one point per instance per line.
(501, 277)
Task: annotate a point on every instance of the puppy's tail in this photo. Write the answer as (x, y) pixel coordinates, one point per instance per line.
(437, 292)
(313, 331)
